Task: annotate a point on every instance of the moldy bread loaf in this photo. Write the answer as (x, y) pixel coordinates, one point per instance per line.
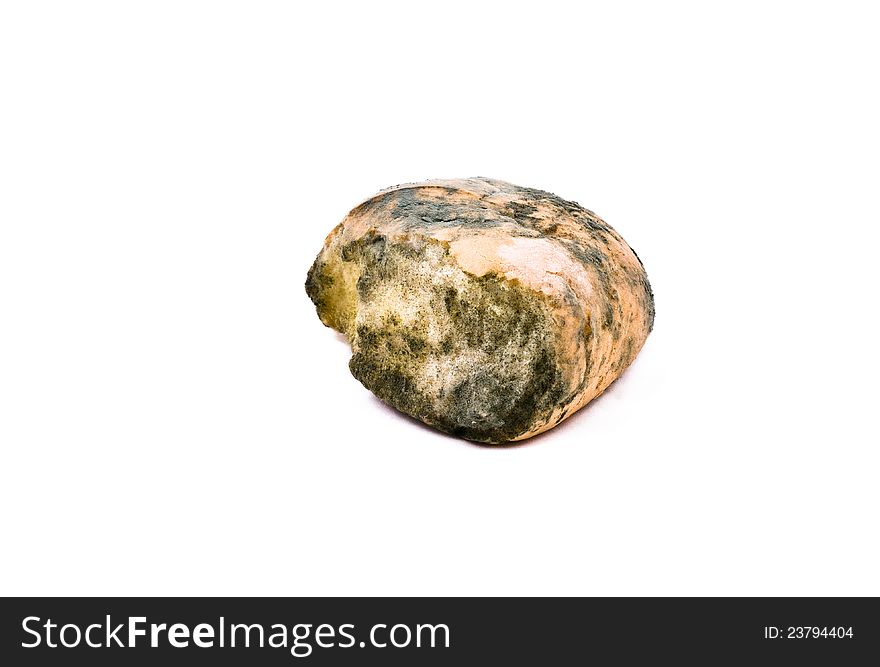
(486, 310)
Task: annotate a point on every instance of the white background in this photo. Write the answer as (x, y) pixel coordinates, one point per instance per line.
(174, 419)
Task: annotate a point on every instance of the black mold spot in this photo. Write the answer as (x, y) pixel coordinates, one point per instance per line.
(317, 282)
(626, 354)
(416, 345)
(522, 212)
(449, 298)
(608, 316)
(594, 258)
(416, 211)
(369, 251)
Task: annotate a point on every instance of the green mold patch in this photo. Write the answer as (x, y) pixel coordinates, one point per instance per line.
(474, 356)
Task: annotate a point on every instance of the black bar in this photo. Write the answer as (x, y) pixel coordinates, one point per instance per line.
(516, 630)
